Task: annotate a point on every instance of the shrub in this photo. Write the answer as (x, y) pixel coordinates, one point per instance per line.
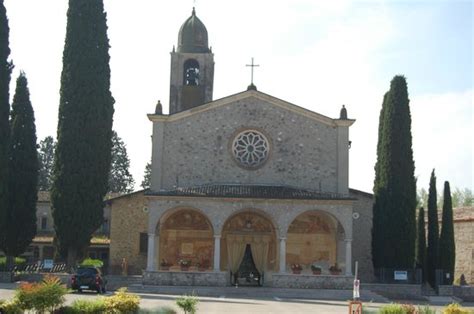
(122, 302)
(92, 262)
(455, 308)
(188, 303)
(10, 307)
(426, 310)
(45, 296)
(18, 261)
(392, 309)
(88, 306)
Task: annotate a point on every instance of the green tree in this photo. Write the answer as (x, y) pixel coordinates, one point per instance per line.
(394, 220)
(147, 176)
(21, 217)
(120, 179)
(447, 247)
(433, 233)
(5, 72)
(83, 152)
(46, 162)
(421, 244)
(467, 198)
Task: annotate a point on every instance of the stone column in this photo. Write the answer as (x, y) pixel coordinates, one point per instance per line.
(282, 255)
(41, 254)
(348, 257)
(217, 252)
(157, 252)
(150, 265)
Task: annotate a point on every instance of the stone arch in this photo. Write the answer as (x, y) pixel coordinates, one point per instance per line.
(314, 236)
(185, 233)
(254, 227)
(258, 211)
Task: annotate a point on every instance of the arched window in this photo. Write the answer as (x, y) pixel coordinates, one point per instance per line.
(191, 73)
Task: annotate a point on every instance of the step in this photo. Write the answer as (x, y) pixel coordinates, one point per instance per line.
(257, 292)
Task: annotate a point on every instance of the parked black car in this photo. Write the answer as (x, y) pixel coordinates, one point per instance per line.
(88, 278)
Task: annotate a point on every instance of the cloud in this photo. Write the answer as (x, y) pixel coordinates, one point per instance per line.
(442, 129)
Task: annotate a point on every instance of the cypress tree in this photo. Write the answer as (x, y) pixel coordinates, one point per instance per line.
(394, 221)
(5, 72)
(421, 244)
(146, 182)
(83, 152)
(120, 178)
(378, 221)
(447, 249)
(433, 234)
(21, 217)
(46, 162)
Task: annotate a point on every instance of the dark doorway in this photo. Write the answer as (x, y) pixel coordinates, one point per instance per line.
(248, 275)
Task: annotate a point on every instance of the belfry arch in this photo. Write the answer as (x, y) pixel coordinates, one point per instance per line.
(185, 234)
(249, 228)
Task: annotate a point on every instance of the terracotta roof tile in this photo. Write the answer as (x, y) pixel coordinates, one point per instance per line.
(249, 191)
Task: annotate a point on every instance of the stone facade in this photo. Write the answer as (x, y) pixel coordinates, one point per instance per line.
(362, 234)
(307, 150)
(464, 240)
(128, 220)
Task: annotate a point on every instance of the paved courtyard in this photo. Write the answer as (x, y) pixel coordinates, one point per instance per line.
(230, 305)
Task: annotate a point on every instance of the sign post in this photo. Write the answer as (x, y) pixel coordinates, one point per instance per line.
(355, 306)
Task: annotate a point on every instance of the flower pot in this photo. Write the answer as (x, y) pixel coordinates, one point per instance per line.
(184, 268)
(296, 271)
(316, 272)
(335, 272)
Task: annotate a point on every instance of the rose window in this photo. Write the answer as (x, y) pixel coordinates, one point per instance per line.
(250, 148)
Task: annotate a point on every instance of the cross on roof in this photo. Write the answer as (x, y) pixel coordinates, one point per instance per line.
(251, 68)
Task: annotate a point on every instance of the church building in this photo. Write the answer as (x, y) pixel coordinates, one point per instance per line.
(246, 189)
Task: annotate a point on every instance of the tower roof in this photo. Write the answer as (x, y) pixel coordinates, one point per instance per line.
(193, 35)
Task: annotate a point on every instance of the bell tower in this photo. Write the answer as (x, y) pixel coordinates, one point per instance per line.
(192, 67)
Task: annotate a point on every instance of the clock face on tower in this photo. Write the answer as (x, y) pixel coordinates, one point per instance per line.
(250, 149)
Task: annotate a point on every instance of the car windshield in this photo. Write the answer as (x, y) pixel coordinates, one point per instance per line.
(86, 271)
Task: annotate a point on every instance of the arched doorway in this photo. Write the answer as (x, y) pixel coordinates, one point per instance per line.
(313, 238)
(186, 235)
(248, 246)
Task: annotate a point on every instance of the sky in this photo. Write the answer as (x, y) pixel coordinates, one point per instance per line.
(315, 54)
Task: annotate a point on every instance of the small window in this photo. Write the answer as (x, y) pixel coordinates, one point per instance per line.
(143, 243)
(44, 223)
(191, 73)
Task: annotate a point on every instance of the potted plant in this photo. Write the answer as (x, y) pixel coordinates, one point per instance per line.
(165, 265)
(296, 268)
(184, 263)
(203, 265)
(316, 269)
(335, 270)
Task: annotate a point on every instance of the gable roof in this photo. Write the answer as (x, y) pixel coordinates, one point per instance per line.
(252, 94)
(249, 191)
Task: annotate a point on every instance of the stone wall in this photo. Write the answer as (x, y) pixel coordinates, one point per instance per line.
(186, 278)
(38, 277)
(128, 220)
(6, 277)
(362, 234)
(195, 149)
(466, 293)
(312, 281)
(464, 237)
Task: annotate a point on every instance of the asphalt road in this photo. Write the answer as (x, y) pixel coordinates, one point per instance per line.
(226, 305)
